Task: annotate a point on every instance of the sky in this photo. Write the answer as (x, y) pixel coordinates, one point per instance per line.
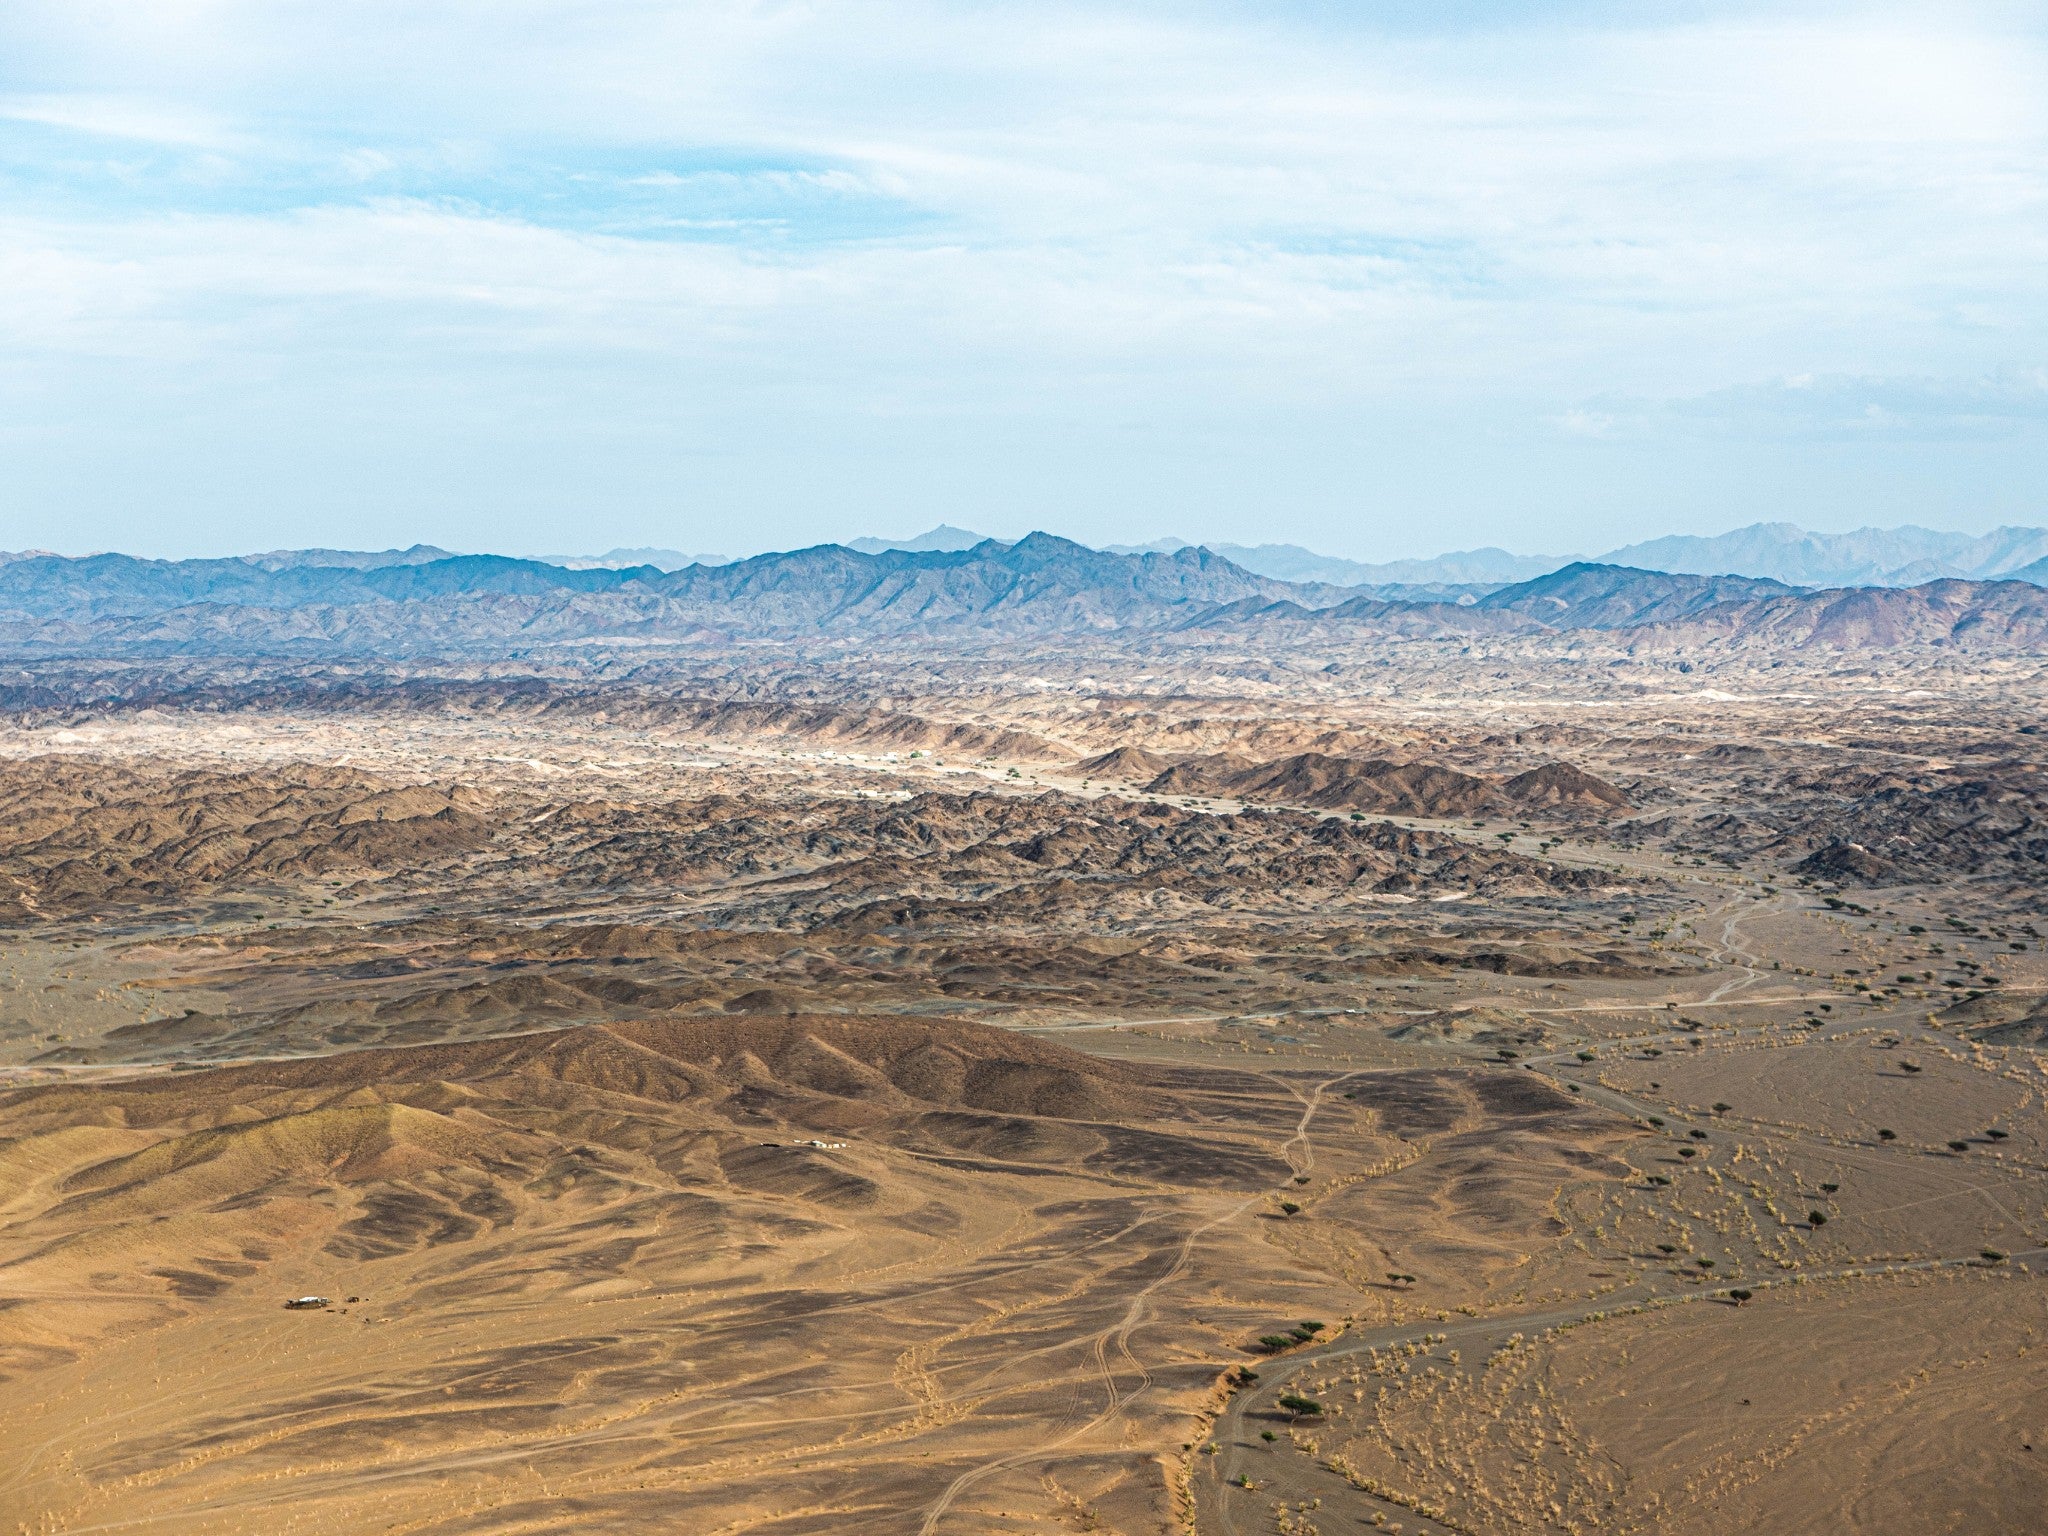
(1384, 279)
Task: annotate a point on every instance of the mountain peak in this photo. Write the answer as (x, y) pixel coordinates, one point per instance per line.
(1039, 542)
(944, 539)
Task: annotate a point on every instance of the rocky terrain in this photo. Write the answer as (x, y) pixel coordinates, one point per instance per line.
(1145, 1078)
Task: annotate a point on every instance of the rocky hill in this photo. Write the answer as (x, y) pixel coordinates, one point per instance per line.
(1657, 610)
(78, 835)
(1965, 614)
(1376, 785)
(1588, 596)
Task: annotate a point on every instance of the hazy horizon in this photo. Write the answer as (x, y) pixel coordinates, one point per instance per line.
(741, 550)
(1383, 286)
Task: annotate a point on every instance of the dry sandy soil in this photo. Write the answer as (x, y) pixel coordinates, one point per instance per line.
(1150, 1094)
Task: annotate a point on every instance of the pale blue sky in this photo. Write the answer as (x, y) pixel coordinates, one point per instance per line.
(1382, 279)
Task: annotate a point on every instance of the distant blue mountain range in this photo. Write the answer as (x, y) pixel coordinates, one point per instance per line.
(1877, 557)
(422, 599)
(1874, 557)
(1869, 557)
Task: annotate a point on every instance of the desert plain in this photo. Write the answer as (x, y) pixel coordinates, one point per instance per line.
(1420, 1087)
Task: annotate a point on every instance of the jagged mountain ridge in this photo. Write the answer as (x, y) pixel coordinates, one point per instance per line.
(1451, 576)
(1586, 595)
(943, 538)
(1889, 557)
(1041, 586)
(807, 585)
(626, 559)
(1892, 557)
(1784, 552)
(1660, 611)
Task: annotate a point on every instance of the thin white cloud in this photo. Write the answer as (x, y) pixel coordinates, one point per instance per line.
(135, 119)
(1837, 407)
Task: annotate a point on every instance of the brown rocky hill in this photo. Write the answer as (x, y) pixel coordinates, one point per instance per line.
(2030, 1029)
(752, 1068)
(587, 1280)
(189, 1186)
(1560, 786)
(714, 1161)
(1133, 765)
(1069, 861)
(1375, 786)
(1991, 820)
(76, 834)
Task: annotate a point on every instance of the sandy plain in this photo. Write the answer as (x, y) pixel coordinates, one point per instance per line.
(723, 1119)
